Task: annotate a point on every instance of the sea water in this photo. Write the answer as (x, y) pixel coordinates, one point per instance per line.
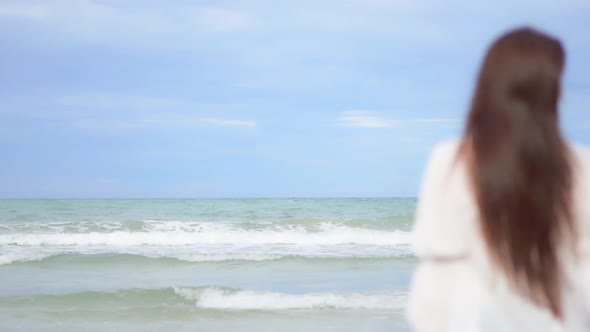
(205, 264)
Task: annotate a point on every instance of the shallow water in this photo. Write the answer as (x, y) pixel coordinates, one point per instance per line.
(205, 265)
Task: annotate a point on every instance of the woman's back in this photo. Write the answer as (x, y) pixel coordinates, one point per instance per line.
(458, 286)
(502, 219)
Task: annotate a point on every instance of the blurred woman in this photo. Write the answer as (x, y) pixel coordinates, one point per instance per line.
(502, 228)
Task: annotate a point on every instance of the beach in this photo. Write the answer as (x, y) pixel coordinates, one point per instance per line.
(205, 264)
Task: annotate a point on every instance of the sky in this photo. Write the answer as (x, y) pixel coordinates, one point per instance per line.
(259, 98)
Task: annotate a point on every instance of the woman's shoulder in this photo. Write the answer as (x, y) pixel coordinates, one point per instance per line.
(581, 153)
(445, 150)
(442, 157)
(443, 224)
(581, 167)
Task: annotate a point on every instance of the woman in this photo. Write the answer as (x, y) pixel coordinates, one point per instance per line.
(502, 228)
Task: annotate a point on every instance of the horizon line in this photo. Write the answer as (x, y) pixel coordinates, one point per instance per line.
(196, 198)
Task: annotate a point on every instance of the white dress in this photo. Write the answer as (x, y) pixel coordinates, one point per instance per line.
(455, 287)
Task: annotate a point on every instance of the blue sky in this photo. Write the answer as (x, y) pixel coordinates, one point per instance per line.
(250, 98)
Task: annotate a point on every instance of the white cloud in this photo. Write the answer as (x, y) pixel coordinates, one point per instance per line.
(435, 120)
(23, 10)
(181, 24)
(123, 25)
(119, 102)
(222, 19)
(364, 119)
(369, 119)
(174, 121)
(167, 122)
(228, 122)
(315, 162)
(197, 121)
(97, 110)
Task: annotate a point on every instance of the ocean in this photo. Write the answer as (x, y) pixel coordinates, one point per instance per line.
(205, 264)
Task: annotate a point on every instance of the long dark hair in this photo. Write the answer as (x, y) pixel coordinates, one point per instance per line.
(519, 164)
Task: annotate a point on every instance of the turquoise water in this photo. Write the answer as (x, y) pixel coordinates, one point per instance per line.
(205, 265)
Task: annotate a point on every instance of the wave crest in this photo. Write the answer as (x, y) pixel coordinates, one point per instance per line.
(213, 234)
(230, 299)
(220, 298)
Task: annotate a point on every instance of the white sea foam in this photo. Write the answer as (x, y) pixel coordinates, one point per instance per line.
(200, 241)
(204, 233)
(9, 258)
(256, 257)
(227, 299)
